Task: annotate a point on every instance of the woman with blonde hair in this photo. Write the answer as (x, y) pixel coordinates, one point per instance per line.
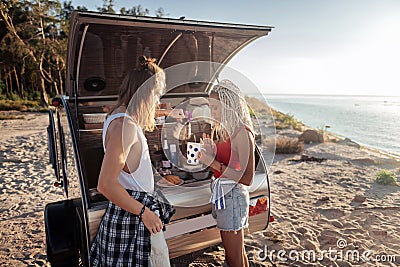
(232, 158)
(134, 217)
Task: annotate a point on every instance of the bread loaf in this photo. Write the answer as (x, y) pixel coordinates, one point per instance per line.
(174, 179)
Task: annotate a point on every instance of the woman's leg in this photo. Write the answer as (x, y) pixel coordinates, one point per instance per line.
(234, 248)
(245, 259)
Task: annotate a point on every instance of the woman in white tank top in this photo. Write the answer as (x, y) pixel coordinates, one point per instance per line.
(137, 178)
(126, 176)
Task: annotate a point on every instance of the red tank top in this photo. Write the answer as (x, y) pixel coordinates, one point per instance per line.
(227, 156)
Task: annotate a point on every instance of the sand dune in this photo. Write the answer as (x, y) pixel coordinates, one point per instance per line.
(333, 206)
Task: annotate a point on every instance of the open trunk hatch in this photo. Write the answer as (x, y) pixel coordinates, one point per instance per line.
(102, 48)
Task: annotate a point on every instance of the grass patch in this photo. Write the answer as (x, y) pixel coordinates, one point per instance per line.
(288, 145)
(385, 177)
(20, 105)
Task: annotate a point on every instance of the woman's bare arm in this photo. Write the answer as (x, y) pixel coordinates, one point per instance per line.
(117, 147)
(244, 144)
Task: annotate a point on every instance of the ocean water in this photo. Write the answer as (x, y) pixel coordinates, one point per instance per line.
(372, 121)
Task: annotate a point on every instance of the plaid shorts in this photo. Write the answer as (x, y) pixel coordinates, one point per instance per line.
(122, 238)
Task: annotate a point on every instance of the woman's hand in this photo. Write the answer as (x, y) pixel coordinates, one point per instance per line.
(205, 158)
(207, 144)
(151, 221)
(207, 153)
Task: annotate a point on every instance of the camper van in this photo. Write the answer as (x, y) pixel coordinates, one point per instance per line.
(102, 48)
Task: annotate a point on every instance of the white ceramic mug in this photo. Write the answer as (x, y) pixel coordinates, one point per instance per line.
(192, 153)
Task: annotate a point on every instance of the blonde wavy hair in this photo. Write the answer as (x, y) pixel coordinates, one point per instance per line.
(234, 110)
(138, 92)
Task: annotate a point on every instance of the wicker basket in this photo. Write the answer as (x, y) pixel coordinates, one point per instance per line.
(94, 118)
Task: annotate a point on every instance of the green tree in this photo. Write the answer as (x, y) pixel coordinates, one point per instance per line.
(135, 11)
(31, 28)
(108, 7)
(160, 13)
(33, 44)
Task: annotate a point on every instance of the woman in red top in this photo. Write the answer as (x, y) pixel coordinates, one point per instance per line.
(232, 158)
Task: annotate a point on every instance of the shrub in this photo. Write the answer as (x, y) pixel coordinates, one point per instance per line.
(284, 121)
(280, 126)
(2, 86)
(288, 145)
(35, 95)
(14, 97)
(386, 177)
(251, 111)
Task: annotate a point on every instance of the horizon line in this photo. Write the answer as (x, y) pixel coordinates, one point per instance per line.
(311, 94)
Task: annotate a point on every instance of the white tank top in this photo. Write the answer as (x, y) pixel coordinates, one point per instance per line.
(142, 178)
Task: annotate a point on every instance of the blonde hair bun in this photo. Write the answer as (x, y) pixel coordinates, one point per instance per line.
(145, 61)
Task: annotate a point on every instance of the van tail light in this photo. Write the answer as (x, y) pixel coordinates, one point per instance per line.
(56, 101)
(258, 205)
(271, 218)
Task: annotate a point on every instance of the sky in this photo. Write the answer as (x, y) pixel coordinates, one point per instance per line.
(340, 47)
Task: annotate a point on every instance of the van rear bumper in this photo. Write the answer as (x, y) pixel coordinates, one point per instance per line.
(183, 244)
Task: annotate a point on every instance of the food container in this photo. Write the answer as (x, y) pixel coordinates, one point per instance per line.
(202, 175)
(181, 173)
(94, 118)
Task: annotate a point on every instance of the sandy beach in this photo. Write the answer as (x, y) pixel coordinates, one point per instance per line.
(331, 206)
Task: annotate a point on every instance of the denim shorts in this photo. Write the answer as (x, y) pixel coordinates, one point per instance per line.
(235, 215)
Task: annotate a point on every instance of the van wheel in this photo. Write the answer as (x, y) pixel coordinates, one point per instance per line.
(60, 229)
